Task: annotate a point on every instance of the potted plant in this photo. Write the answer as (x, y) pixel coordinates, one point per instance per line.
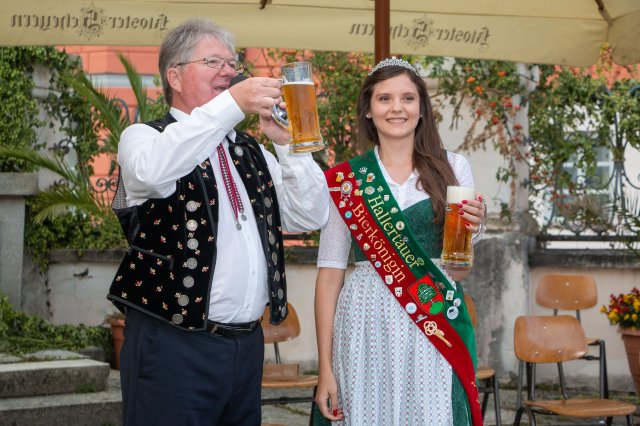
(116, 321)
(624, 311)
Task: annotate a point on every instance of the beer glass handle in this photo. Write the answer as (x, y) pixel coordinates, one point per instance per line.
(483, 226)
(280, 116)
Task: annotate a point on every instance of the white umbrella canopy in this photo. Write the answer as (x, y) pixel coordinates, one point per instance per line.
(564, 32)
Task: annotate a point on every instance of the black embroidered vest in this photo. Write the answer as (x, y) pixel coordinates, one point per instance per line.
(172, 241)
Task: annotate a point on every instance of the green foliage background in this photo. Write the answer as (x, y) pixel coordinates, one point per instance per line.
(73, 212)
(22, 334)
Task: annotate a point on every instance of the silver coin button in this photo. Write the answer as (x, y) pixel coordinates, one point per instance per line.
(188, 281)
(192, 225)
(280, 294)
(192, 243)
(192, 206)
(238, 151)
(272, 238)
(192, 263)
(183, 300)
(274, 257)
(177, 319)
(267, 202)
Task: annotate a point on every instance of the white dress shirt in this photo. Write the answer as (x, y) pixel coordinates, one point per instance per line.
(151, 162)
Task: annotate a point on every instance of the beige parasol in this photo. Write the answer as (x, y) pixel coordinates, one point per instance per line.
(566, 32)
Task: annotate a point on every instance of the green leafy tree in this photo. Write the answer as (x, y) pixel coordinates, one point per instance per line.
(74, 211)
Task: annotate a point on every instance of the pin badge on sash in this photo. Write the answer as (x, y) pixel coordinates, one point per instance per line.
(428, 297)
(346, 188)
(452, 312)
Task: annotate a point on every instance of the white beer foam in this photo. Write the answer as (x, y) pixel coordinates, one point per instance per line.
(455, 194)
(303, 82)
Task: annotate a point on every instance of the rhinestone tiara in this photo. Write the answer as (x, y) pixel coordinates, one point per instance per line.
(395, 62)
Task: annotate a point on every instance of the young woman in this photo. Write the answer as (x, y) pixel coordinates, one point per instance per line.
(395, 342)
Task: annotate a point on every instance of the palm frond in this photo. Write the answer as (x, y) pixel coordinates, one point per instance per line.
(61, 199)
(53, 164)
(139, 91)
(112, 110)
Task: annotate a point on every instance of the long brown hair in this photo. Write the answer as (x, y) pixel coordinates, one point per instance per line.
(429, 157)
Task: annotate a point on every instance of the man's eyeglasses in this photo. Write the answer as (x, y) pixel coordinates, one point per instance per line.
(217, 63)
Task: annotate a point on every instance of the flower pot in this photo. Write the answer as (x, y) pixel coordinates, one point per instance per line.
(631, 339)
(117, 333)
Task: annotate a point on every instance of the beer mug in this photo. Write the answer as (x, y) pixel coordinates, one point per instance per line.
(301, 116)
(457, 244)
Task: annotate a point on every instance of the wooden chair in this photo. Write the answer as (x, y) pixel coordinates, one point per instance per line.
(573, 293)
(281, 375)
(556, 339)
(485, 375)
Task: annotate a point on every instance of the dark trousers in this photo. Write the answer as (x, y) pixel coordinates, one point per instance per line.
(180, 378)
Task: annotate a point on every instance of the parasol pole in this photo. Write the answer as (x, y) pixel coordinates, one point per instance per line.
(382, 31)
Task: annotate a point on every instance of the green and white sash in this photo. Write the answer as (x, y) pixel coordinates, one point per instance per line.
(367, 206)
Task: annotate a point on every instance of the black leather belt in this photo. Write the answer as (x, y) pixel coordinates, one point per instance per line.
(232, 330)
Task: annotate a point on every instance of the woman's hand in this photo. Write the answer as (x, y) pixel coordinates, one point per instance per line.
(474, 211)
(327, 396)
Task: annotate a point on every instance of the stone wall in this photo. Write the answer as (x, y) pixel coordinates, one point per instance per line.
(14, 187)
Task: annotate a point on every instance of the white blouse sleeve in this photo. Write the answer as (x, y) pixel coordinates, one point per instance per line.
(335, 241)
(461, 168)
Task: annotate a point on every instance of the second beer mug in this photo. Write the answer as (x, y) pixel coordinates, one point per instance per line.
(302, 110)
(457, 244)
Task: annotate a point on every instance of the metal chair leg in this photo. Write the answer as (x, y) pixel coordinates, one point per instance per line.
(604, 380)
(496, 401)
(485, 397)
(563, 387)
(313, 402)
(519, 386)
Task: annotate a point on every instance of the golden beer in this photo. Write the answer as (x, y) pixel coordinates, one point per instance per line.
(303, 115)
(457, 248)
(300, 96)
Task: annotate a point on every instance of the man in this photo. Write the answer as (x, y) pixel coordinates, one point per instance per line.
(204, 206)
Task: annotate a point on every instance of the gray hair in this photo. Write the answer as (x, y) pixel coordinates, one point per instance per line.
(180, 43)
